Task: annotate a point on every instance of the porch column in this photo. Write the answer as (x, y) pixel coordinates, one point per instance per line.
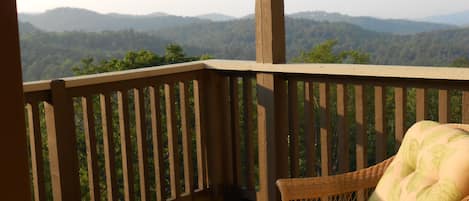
(272, 105)
(14, 173)
(270, 31)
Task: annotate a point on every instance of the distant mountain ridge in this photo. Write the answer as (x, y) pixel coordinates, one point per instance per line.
(396, 26)
(216, 17)
(74, 19)
(459, 18)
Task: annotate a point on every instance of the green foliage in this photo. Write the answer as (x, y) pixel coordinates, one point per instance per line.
(461, 62)
(173, 53)
(324, 53)
(134, 59)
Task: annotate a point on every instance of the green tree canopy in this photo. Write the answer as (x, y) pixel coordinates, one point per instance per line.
(135, 59)
(461, 62)
(324, 53)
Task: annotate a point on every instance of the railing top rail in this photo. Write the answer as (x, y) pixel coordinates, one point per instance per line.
(380, 71)
(353, 70)
(133, 74)
(42, 85)
(86, 80)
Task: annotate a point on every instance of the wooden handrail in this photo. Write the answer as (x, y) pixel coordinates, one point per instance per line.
(353, 70)
(381, 71)
(101, 78)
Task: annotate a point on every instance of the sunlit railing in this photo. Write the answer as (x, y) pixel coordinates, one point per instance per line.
(218, 129)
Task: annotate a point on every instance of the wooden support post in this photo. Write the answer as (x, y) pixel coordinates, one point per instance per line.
(270, 31)
(273, 134)
(14, 173)
(62, 144)
(271, 91)
(213, 98)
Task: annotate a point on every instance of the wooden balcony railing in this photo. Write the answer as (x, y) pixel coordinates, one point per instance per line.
(224, 130)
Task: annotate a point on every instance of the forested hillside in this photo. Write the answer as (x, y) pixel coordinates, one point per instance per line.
(236, 40)
(47, 55)
(50, 55)
(396, 26)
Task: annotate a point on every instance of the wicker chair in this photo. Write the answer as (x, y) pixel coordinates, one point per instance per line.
(358, 185)
(338, 187)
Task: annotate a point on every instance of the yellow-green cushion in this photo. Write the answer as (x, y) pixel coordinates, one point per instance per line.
(432, 164)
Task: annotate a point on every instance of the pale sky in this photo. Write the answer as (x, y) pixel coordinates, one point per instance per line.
(410, 9)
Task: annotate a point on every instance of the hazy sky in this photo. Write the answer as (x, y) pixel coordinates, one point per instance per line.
(378, 8)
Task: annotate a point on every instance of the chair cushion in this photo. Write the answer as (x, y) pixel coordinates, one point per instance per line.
(432, 164)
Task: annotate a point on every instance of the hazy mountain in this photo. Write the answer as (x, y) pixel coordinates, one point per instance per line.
(216, 17)
(460, 19)
(74, 19)
(249, 16)
(47, 55)
(26, 28)
(380, 25)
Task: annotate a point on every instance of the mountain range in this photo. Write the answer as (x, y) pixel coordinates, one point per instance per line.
(460, 18)
(54, 42)
(47, 55)
(216, 17)
(397, 26)
(74, 19)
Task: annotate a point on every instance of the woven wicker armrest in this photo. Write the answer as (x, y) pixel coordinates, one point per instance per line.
(316, 187)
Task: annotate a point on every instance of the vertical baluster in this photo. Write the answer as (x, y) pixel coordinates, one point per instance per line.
(249, 131)
(465, 107)
(227, 139)
(421, 104)
(325, 131)
(199, 133)
(400, 98)
(108, 142)
(362, 138)
(157, 140)
(172, 141)
(91, 149)
(380, 124)
(444, 109)
(294, 127)
(343, 129)
(37, 160)
(186, 137)
(310, 134)
(141, 128)
(235, 129)
(127, 167)
(361, 127)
